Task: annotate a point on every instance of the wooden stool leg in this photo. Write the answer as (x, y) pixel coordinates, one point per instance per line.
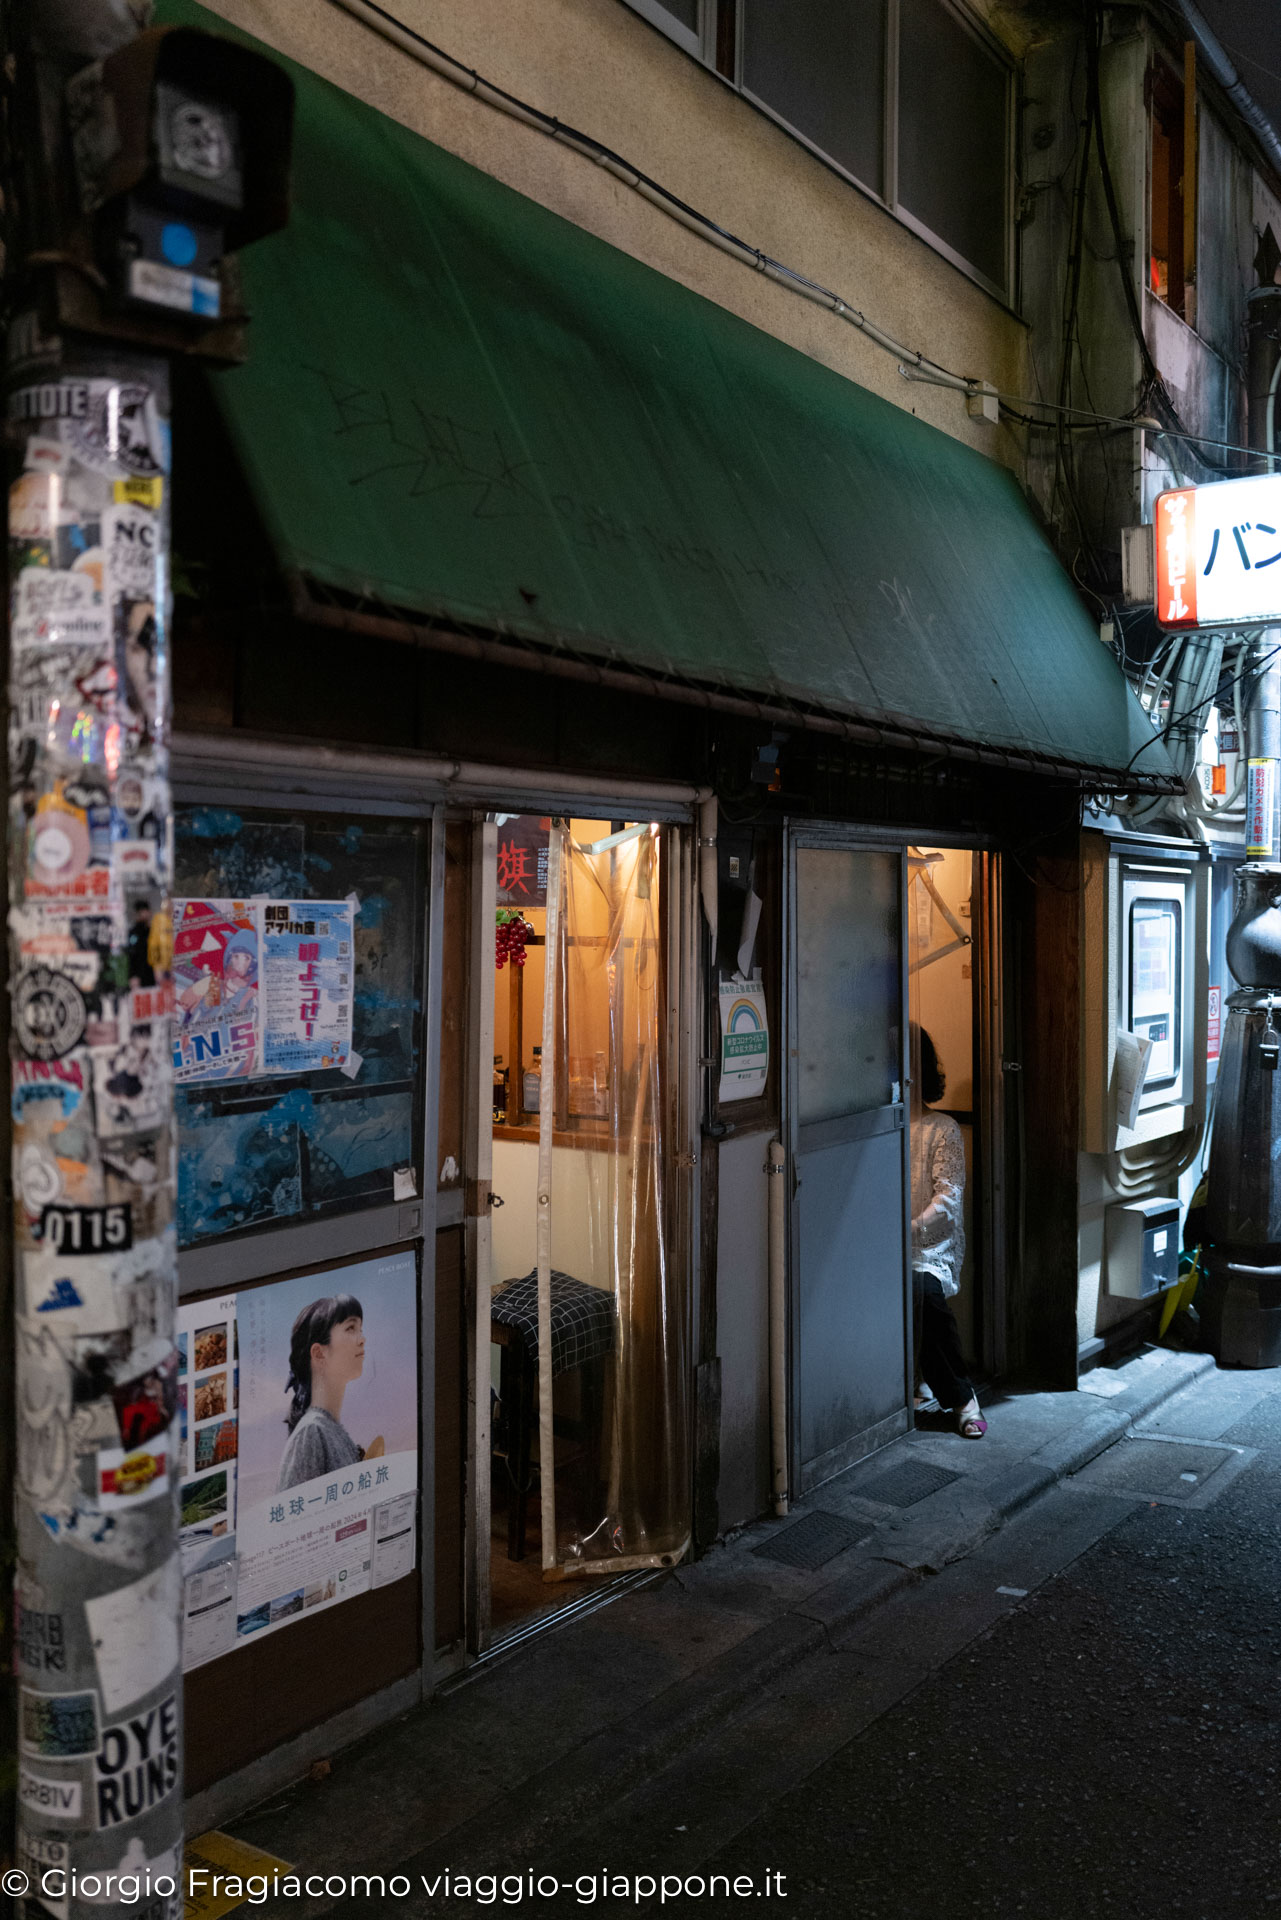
(591, 1399)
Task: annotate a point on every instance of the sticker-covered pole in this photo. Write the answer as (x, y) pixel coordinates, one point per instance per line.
(98, 1588)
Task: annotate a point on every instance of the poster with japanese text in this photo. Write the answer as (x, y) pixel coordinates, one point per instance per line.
(215, 980)
(308, 973)
(522, 850)
(328, 1461)
(744, 1039)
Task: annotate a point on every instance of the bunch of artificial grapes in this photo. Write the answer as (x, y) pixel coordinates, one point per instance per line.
(509, 942)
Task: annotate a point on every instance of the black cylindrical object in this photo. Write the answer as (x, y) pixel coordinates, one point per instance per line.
(1240, 1299)
(1263, 323)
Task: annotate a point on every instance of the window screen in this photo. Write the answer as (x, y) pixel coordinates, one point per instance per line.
(1156, 986)
(288, 1147)
(953, 135)
(820, 64)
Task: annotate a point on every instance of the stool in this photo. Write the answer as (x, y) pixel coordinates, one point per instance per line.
(582, 1337)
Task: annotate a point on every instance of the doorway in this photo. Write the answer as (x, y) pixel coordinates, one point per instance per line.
(847, 1120)
(579, 1273)
(886, 939)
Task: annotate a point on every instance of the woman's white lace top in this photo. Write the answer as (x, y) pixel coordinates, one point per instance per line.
(938, 1197)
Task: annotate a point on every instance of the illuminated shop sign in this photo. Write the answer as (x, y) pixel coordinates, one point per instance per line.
(1218, 554)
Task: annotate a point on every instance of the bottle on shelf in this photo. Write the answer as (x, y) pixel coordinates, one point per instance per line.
(532, 1084)
(500, 1088)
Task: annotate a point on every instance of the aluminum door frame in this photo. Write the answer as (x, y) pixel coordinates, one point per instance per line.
(838, 837)
(683, 1008)
(339, 785)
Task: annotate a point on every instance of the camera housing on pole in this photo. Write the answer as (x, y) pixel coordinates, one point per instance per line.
(179, 146)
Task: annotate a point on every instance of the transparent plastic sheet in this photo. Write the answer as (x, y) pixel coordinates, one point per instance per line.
(623, 1473)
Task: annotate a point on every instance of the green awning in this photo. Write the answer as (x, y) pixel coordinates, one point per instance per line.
(460, 404)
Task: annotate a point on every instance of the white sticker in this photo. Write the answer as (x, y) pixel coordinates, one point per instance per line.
(352, 1064)
(84, 626)
(53, 1799)
(48, 591)
(129, 537)
(1160, 1241)
(45, 456)
(72, 1295)
(128, 1477)
(403, 1184)
(136, 1635)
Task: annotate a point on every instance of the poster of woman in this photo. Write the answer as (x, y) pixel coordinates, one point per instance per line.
(328, 1431)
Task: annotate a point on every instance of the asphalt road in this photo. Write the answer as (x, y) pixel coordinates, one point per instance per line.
(1102, 1740)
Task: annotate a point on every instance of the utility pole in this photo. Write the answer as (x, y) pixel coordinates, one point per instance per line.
(138, 161)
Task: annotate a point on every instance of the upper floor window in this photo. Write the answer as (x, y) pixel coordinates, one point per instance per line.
(1168, 269)
(912, 99)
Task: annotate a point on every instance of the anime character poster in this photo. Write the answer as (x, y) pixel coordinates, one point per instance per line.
(328, 1467)
(215, 978)
(308, 994)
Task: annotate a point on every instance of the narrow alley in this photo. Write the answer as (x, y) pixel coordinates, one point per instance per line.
(1075, 1717)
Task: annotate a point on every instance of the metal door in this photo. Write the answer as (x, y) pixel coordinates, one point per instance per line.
(847, 1119)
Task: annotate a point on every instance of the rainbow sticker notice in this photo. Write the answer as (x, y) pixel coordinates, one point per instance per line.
(744, 1039)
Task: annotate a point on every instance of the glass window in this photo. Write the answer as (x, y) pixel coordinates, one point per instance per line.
(682, 19)
(1156, 986)
(260, 1147)
(820, 64)
(953, 146)
(1165, 264)
(849, 981)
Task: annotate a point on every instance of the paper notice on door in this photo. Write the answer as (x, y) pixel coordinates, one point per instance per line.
(209, 1614)
(1132, 1053)
(394, 1539)
(744, 1039)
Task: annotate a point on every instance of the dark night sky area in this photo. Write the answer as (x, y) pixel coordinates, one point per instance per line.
(1250, 33)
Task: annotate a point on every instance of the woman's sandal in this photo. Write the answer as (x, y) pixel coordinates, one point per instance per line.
(970, 1423)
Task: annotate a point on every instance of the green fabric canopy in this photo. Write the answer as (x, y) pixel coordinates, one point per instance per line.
(463, 405)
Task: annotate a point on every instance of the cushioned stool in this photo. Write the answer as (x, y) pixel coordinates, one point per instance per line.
(582, 1338)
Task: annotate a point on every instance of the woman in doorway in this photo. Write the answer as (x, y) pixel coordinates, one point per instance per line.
(326, 1353)
(938, 1244)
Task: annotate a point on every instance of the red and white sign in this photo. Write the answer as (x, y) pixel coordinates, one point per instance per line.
(1260, 795)
(1214, 1025)
(1218, 554)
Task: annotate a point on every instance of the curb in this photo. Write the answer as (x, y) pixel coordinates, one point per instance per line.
(554, 1802)
(545, 1808)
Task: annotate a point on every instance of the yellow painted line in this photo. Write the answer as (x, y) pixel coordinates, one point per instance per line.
(219, 1854)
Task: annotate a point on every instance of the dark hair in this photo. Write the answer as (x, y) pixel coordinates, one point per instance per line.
(314, 1326)
(933, 1078)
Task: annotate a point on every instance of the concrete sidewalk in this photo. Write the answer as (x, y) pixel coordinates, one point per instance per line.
(528, 1748)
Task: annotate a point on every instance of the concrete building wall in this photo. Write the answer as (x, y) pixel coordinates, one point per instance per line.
(601, 68)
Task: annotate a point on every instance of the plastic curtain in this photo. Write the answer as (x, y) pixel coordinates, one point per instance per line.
(623, 1493)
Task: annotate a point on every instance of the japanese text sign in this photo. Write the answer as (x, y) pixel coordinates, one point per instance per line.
(1218, 554)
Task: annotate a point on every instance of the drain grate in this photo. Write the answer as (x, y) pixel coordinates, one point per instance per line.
(904, 1486)
(813, 1541)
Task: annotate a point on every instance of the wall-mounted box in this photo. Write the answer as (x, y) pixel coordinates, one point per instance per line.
(1142, 1246)
(1144, 971)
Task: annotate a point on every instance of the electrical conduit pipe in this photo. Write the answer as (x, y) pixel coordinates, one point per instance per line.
(775, 1167)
